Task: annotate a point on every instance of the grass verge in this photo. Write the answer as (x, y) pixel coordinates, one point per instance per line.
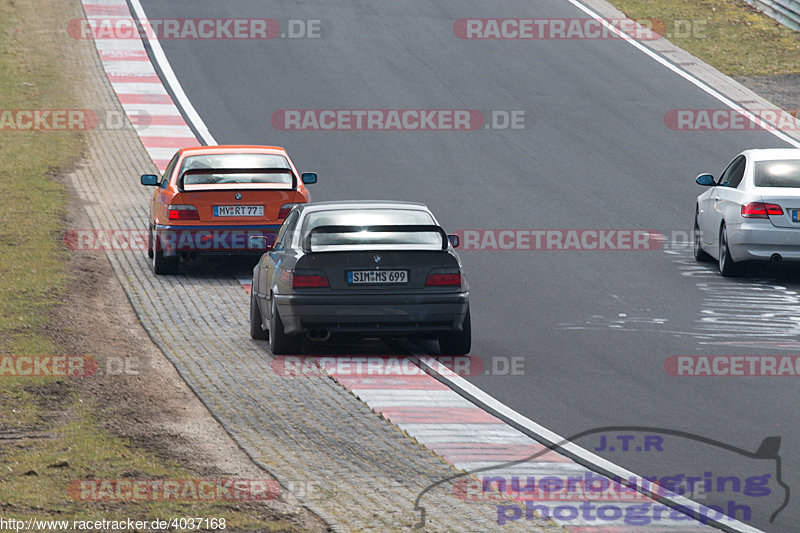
(730, 35)
(49, 433)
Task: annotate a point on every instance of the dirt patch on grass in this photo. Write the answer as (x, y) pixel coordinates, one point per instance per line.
(782, 90)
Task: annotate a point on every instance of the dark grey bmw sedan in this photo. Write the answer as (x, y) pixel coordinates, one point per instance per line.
(363, 269)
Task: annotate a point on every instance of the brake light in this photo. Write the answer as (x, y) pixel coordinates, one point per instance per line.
(760, 210)
(443, 280)
(285, 208)
(183, 212)
(314, 280)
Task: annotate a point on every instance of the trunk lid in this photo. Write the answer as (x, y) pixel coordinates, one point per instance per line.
(417, 264)
(789, 200)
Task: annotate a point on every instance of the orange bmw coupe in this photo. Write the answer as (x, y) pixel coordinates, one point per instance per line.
(212, 199)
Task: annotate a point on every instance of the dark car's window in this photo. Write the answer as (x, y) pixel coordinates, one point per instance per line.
(779, 173)
(288, 229)
(168, 171)
(734, 173)
(371, 217)
(236, 161)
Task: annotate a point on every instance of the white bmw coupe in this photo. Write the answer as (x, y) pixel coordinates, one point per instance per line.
(752, 212)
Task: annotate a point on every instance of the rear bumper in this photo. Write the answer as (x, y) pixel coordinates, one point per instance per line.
(213, 240)
(420, 314)
(758, 241)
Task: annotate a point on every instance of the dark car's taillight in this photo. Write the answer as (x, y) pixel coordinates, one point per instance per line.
(443, 278)
(183, 212)
(760, 210)
(309, 280)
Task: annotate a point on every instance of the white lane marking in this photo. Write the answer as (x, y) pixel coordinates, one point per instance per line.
(150, 130)
(685, 75)
(381, 398)
(154, 110)
(117, 45)
(160, 154)
(172, 80)
(131, 68)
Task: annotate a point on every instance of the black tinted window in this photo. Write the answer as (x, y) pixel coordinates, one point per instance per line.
(737, 174)
(736, 168)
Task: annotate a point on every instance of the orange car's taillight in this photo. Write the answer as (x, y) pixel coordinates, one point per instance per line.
(183, 212)
(285, 208)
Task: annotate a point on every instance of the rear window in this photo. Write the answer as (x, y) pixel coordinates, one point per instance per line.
(217, 178)
(782, 173)
(371, 217)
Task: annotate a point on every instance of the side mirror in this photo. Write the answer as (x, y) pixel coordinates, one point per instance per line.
(453, 240)
(150, 180)
(257, 242)
(706, 180)
(309, 177)
(278, 247)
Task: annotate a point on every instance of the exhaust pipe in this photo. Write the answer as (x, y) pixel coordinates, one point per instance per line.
(188, 258)
(776, 258)
(318, 334)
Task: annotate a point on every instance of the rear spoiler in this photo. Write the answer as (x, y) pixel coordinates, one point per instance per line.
(193, 171)
(418, 228)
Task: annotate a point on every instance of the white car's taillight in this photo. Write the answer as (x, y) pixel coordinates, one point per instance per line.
(760, 210)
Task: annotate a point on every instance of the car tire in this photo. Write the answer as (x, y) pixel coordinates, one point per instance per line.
(279, 342)
(700, 255)
(256, 329)
(150, 243)
(726, 265)
(161, 265)
(458, 342)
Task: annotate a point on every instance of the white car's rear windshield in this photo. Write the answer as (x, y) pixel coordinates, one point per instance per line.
(371, 217)
(216, 178)
(780, 173)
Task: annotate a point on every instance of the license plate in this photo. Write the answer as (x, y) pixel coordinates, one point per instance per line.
(375, 277)
(238, 210)
(794, 215)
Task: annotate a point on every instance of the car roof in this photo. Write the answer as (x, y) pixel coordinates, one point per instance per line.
(768, 154)
(361, 204)
(233, 148)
